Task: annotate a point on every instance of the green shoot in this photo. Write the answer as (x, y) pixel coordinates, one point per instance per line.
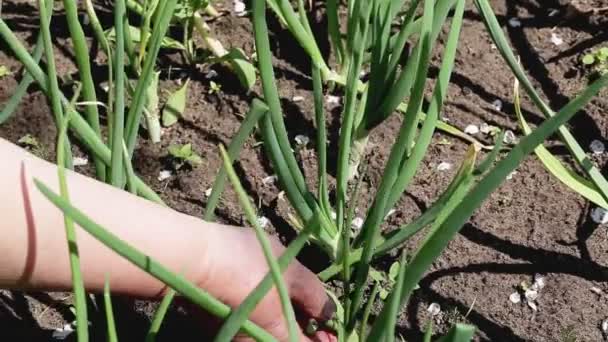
(184, 154)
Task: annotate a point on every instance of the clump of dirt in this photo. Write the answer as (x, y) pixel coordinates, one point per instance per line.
(532, 225)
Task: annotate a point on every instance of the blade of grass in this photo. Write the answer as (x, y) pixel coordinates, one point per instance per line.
(107, 303)
(368, 310)
(412, 162)
(51, 82)
(393, 302)
(83, 62)
(77, 123)
(80, 299)
(571, 179)
(149, 265)
(371, 226)
(333, 27)
(269, 85)
(138, 101)
(441, 235)
(159, 316)
(256, 111)
(118, 119)
(323, 191)
(277, 277)
(428, 334)
(503, 46)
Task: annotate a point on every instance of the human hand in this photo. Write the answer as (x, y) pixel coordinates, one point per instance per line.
(235, 265)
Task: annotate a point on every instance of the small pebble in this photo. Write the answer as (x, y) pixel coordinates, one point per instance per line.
(539, 282)
(332, 99)
(515, 297)
(269, 180)
(510, 176)
(510, 138)
(78, 161)
(263, 221)
(239, 8)
(497, 105)
(532, 306)
(297, 98)
(444, 166)
(597, 290)
(531, 294)
(164, 174)
(597, 147)
(556, 40)
(514, 22)
(605, 326)
(302, 140)
(63, 333)
(434, 309)
(471, 129)
(599, 215)
(357, 223)
(211, 74)
(208, 192)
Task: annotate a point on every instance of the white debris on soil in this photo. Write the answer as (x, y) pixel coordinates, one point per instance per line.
(269, 180)
(556, 40)
(514, 22)
(531, 294)
(390, 213)
(208, 192)
(497, 105)
(239, 8)
(599, 215)
(302, 140)
(597, 147)
(63, 333)
(471, 129)
(605, 326)
(444, 166)
(511, 175)
(263, 221)
(434, 309)
(332, 99)
(510, 138)
(297, 98)
(532, 305)
(78, 161)
(597, 291)
(515, 297)
(164, 174)
(211, 74)
(485, 128)
(553, 12)
(357, 223)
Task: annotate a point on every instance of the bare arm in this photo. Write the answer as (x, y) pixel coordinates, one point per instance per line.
(225, 261)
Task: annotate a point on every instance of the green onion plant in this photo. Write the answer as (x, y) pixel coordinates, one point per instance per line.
(366, 106)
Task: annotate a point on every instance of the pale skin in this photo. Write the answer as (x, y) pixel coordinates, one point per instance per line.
(223, 260)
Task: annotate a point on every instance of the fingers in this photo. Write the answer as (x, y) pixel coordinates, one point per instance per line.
(308, 294)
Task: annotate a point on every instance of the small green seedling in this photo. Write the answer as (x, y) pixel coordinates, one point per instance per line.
(176, 105)
(4, 71)
(183, 154)
(214, 88)
(597, 60)
(393, 272)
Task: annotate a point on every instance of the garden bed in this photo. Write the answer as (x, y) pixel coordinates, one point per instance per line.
(532, 226)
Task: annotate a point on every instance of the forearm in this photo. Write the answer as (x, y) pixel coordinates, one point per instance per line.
(34, 247)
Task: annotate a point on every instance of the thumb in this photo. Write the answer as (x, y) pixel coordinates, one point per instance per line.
(308, 294)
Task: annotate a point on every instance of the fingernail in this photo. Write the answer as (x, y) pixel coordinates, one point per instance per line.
(329, 309)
